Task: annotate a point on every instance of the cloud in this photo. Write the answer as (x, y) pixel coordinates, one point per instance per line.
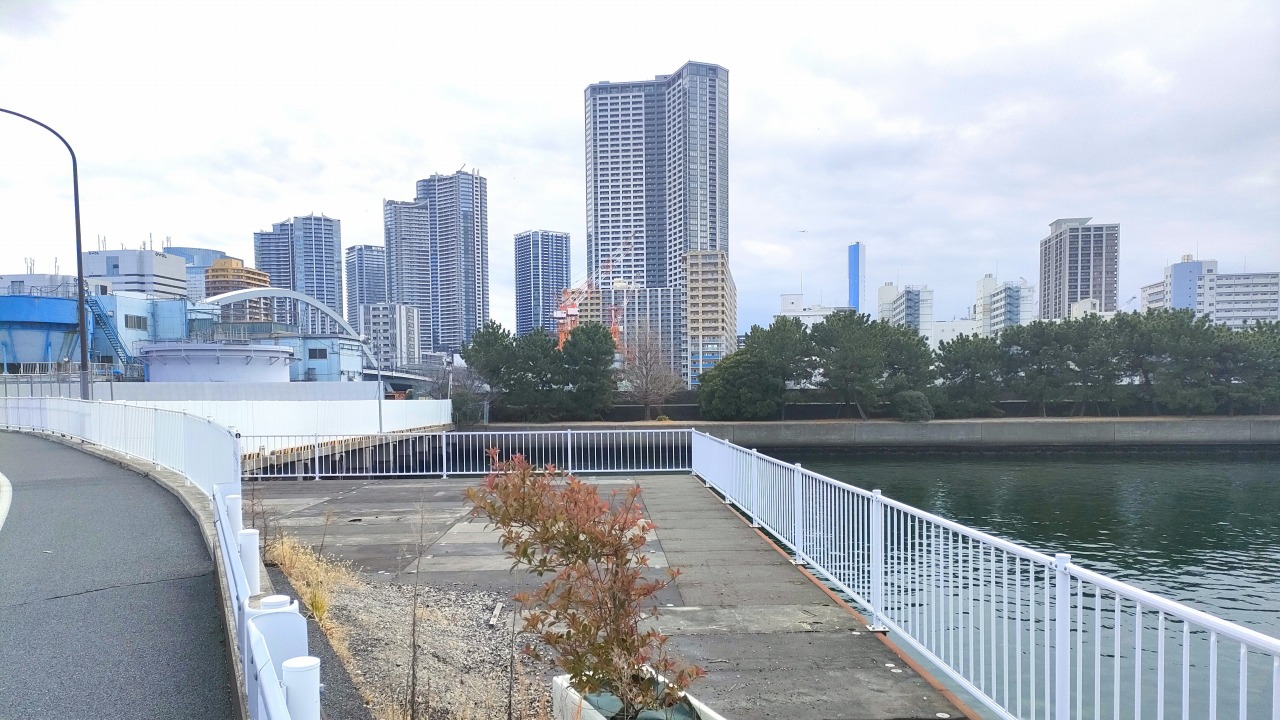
(28, 17)
(946, 138)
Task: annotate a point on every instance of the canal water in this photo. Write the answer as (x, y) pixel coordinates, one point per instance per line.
(1203, 530)
(1200, 529)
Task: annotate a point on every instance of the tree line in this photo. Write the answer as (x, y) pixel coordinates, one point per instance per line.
(1154, 363)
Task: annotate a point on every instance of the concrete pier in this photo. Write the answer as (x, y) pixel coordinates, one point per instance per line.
(775, 643)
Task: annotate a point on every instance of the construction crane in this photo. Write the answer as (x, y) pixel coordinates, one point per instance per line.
(567, 315)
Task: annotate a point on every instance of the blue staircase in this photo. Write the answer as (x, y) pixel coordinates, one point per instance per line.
(109, 330)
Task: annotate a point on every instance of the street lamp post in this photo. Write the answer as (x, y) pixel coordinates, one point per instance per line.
(377, 362)
(75, 195)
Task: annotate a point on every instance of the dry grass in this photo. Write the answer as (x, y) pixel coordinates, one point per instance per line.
(325, 584)
(314, 577)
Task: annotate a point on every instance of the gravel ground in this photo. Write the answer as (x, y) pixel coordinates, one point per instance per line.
(464, 665)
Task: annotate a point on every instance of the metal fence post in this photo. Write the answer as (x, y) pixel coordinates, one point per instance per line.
(1062, 637)
(315, 454)
(568, 451)
(754, 492)
(444, 455)
(876, 540)
(798, 512)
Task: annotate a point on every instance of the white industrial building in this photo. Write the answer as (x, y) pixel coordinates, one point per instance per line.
(148, 272)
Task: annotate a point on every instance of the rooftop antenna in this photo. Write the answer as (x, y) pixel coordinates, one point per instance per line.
(55, 266)
(31, 265)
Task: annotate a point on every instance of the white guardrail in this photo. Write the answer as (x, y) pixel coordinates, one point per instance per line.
(415, 454)
(1029, 635)
(281, 680)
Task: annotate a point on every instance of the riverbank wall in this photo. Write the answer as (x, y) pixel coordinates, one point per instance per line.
(1024, 434)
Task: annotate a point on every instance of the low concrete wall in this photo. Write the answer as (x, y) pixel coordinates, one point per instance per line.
(1027, 434)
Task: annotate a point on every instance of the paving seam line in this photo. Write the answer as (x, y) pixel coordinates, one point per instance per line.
(883, 637)
(200, 507)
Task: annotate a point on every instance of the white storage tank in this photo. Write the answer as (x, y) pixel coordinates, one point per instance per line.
(216, 362)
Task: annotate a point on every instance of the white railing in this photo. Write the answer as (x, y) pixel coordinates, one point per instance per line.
(1031, 636)
(410, 454)
(207, 455)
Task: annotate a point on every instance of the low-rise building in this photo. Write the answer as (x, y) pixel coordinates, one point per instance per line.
(148, 272)
(793, 305)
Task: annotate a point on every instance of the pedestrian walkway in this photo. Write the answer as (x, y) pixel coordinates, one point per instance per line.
(774, 643)
(108, 597)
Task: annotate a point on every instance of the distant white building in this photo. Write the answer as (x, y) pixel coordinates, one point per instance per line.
(1236, 300)
(149, 272)
(1089, 306)
(911, 306)
(393, 332)
(1002, 304)
(1239, 300)
(793, 306)
(949, 330)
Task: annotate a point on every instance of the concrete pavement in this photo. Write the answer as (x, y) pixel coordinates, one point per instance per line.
(108, 597)
(776, 645)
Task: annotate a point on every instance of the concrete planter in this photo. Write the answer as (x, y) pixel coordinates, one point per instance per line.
(567, 704)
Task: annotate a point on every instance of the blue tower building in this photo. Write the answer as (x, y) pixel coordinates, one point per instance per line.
(857, 275)
(542, 274)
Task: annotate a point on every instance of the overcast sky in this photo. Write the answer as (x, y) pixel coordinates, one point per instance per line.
(946, 136)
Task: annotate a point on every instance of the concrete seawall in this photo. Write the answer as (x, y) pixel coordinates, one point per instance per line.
(1022, 433)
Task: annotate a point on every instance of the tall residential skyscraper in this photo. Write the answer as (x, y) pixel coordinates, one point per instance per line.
(303, 254)
(857, 275)
(1078, 261)
(542, 273)
(366, 279)
(657, 167)
(438, 257)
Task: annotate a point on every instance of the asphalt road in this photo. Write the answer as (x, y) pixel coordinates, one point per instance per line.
(108, 597)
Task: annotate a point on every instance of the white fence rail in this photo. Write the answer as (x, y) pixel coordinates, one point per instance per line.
(268, 629)
(1031, 636)
(410, 454)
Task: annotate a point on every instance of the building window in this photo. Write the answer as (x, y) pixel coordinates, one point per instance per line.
(135, 322)
(317, 354)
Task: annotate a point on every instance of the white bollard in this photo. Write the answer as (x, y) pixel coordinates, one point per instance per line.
(301, 679)
(249, 558)
(234, 512)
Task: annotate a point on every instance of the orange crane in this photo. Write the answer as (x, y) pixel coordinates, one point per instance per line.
(567, 314)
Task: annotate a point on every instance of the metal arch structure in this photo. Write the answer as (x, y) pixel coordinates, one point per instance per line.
(255, 293)
(270, 292)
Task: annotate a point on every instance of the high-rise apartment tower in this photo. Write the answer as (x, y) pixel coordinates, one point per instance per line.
(366, 279)
(303, 254)
(542, 274)
(1078, 261)
(657, 171)
(438, 257)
